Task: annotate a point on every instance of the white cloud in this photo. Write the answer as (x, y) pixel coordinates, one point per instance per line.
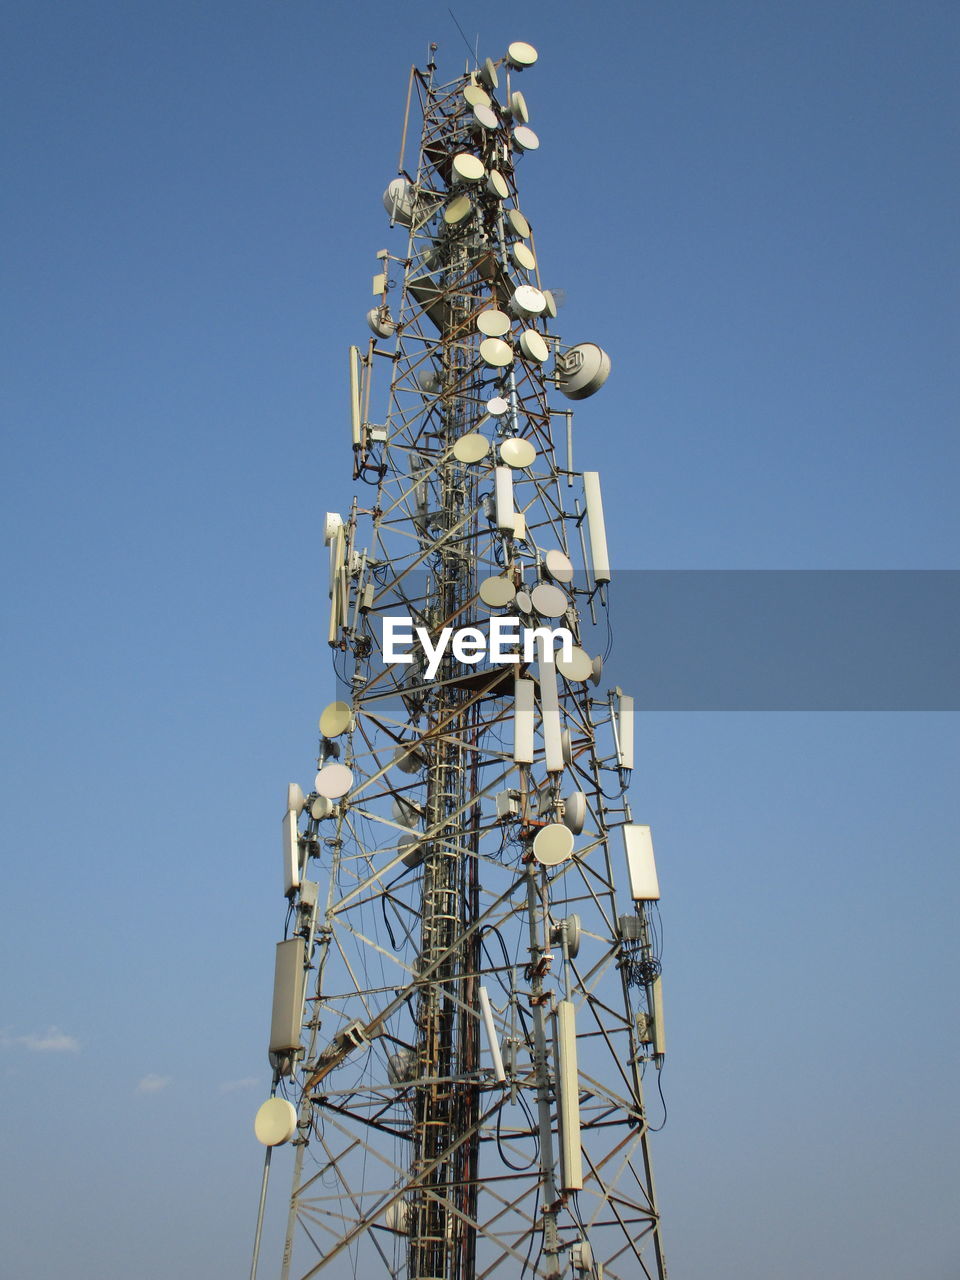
(53, 1040)
(153, 1083)
(235, 1086)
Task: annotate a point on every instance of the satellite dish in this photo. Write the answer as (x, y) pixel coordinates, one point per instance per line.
(409, 846)
(380, 321)
(496, 352)
(579, 666)
(476, 96)
(408, 759)
(549, 601)
(550, 298)
(320, 808)
(523, 256)
(558, 566)
(575, 811)
(471, 447)
(553, 844)
(485, 117)
(467, 167)
(295, 798)
(573, 932)
(497, 184)
(518, 107)
(335, 719)
(533, 345)
(488, 74)
(523, 602)
(497, 592)
(525, 138)
(401, 1068)
(527, 301)
(520, 55)
(597, 670)
(407, 812)
(582, 370)
(518, 223)
(497, 406)
(517, 452)
(566, 746)
(493, 323)
(333, 781)
(399, 201)
(275, 1122)
(458, 209)
(428, 380)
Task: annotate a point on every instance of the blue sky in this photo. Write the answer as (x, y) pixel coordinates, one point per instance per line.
(753, 207)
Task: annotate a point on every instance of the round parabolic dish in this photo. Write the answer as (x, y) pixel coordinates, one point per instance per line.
(476, 96)
(523, 256)
(486, 117)
(497, 184)
(295, 798)
(398, 200)
(597, 669)
(525, 138)
(583, 370)
(458, 209)
(551, 302)
(333, 781)
(321, 808)
(517, 452)
(408, 759)
(275, 1122)
(471, 447)
(496, 352)
(523, 601)
(549, 601)
(552, 844)
(579, 666)
(467, 167)
(493, 323)
(497, 592)
(518, 223)
(575, 811)
(497, 406)
(533, 346)
(527, 301)
(335, 719)
(520, 54)
(558, 566)
(518, 107)
(488, 73)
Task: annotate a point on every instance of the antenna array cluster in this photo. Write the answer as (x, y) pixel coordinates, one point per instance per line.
(464, 1005)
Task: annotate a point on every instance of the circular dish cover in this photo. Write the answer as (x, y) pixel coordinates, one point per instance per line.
(467, 167)
(497, 406)
(525, 138)
(335, 719)
(333, 781)
(458, 209)
(275, 1122)
(549, 601)
(471, 447)
(517, 452)
(496, 352)
(527, 301)
(493, 323)
(408, 759)
(485, 116)
(552, 844)
(321, 808)
(523, 256)
(586, 368)
(579, 666)
(476, 96)
(497, 184)
(518, 107)
(295, 800)
(558, 566)
(488, 73)
(575, 811)
(523, 602)
(518, 223)
(551, 304)
(520, 54)
(497, 592)
(533, 346)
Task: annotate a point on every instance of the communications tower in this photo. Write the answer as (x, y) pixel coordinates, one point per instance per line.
(465, 1005)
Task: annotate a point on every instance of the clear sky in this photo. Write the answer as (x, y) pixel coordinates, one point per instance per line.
(753, 205)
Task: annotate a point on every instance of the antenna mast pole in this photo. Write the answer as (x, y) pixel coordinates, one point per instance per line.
(464, 1007)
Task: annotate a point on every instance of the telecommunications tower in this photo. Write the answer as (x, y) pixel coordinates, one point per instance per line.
(465, 1005)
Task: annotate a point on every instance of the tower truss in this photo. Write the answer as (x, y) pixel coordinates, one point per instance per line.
(465, 1007)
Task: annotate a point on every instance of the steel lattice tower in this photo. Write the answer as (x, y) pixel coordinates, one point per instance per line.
(464, 1009)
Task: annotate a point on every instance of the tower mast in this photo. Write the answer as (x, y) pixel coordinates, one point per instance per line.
(464, 1008)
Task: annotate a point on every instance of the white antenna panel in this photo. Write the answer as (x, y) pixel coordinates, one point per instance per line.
(550, 713)
(493, 1044)
(288, 982)
(291, 853)
(355, 394)
(596, 526)
(641, 868)
(522, 721)
(568, 1085)
(625, 732)
(503, 479)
